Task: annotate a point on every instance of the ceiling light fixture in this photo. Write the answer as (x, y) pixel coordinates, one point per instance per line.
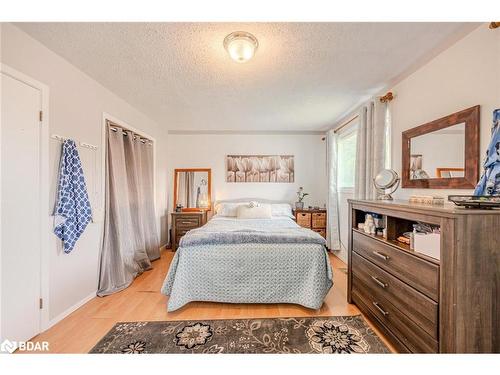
(241, 46)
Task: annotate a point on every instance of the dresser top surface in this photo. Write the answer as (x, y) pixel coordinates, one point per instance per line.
(312, 210)
(446, 209)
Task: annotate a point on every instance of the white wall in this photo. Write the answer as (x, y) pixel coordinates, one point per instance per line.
(77, 103)
(210, 150)
(466, 74)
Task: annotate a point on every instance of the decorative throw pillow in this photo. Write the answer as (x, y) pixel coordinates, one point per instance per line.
(228, 209)
(263, 211)
(281, 209)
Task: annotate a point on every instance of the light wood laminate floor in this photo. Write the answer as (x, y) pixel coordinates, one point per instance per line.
(142, 301)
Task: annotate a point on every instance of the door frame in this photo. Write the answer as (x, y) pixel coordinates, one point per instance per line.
(44, 189)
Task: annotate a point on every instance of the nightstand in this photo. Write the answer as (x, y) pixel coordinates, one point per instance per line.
(182, 222)
(312, 219)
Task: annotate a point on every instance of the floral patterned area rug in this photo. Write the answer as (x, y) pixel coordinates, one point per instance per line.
(339, 334)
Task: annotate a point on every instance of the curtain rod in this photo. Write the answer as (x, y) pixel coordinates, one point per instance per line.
(383, 99)
(340, 127)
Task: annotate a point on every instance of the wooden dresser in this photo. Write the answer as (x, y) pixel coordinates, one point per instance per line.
(422, 304)
(312, 219)
(182, 222)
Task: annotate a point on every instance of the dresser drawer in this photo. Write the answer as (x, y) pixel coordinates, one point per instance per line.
(304, 219)
(319, 220)
(405, 329)
(420, 274)
(421, 309)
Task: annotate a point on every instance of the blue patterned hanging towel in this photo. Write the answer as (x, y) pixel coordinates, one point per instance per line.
(489, 184)
(73, 211)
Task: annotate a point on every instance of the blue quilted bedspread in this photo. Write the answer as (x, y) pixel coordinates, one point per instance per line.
(220, 231)
(289, 272)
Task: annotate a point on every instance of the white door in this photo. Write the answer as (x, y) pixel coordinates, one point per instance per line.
(20, 216)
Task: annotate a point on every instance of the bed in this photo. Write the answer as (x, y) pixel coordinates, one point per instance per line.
(262, 260)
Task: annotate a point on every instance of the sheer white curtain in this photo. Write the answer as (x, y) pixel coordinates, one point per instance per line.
(370, 148)
(130, 240)
(333, 232)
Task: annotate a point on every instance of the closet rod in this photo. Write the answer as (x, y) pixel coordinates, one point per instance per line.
(115, 128)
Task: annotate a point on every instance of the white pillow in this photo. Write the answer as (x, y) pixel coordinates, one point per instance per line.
(228, 209)
(281, 209)
(263, 211)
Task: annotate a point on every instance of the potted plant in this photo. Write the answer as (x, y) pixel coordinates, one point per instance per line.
(299, 205)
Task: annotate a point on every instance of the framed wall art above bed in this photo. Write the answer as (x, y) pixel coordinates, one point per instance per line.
(260, 168)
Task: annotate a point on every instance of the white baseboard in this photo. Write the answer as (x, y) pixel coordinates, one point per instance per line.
(68, 311)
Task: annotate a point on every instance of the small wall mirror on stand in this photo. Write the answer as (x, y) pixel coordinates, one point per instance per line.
(443, 154)
(192, 189)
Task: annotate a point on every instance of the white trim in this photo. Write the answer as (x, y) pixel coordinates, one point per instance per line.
(246, 132)
(44, 187)
(70, 310)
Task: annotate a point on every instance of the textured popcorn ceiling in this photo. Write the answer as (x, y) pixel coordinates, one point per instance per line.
(303, 77)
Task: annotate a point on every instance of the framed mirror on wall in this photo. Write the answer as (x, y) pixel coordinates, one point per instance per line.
(193, 189)
(443, 154)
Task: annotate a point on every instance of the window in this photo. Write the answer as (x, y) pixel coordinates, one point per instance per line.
(347, 157)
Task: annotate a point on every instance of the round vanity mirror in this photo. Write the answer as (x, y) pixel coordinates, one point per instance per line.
(386, 179)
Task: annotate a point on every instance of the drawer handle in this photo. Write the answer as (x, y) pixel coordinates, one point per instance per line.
(380, 255)
(381, 283)
(186, 222)
(376, 304)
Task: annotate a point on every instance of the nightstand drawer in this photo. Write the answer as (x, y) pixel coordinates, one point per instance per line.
(304, 219)
(183, 222)
(181, 231)
(187, 222)
(319, 220)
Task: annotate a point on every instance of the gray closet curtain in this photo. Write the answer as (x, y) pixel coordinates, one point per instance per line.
(370, 148)
(130, 236)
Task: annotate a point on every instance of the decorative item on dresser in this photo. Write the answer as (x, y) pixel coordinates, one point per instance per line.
(423, 304)
(314, 219)
(182, 222)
